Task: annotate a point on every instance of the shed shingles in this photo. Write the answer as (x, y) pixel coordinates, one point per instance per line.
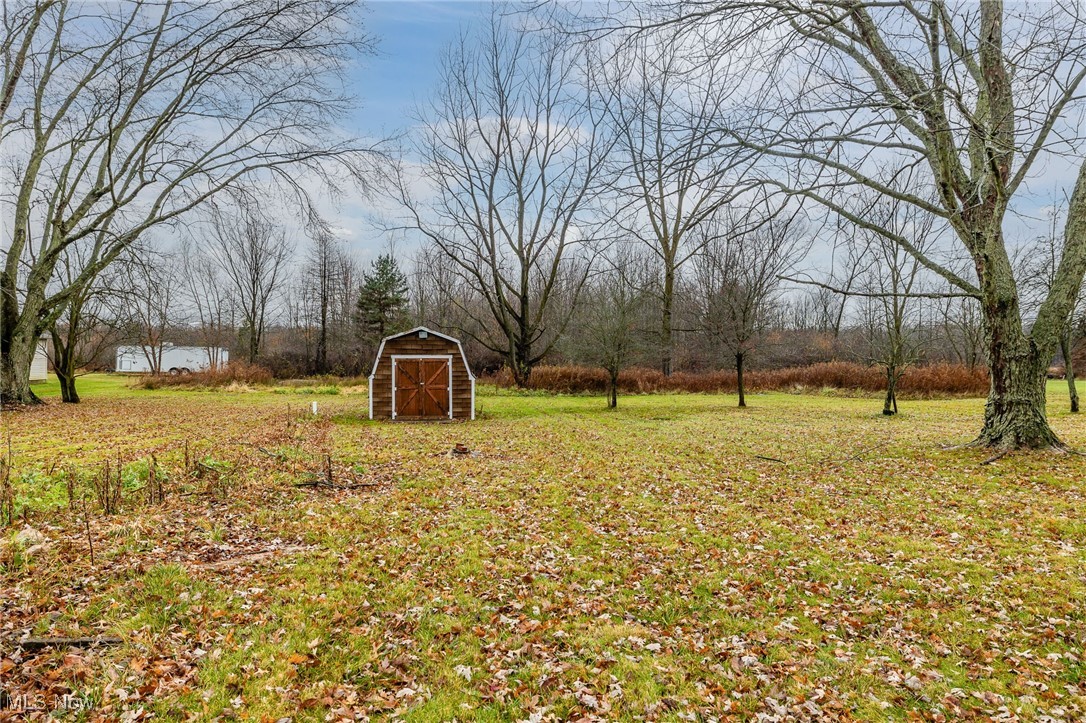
(382, 377)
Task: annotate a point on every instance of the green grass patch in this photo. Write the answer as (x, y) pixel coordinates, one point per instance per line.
(675, 558)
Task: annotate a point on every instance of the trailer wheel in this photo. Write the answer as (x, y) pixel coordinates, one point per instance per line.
(186, 370)
(174, 371)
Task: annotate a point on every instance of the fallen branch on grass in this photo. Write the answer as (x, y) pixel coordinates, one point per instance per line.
(277, 455)
(40, 643)
(769, 459)
(222, 472)
(852, 458)
(328, 485)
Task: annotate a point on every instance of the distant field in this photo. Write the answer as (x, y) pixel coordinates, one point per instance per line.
(675, 559)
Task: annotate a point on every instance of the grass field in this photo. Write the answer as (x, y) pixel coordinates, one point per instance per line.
(676, 559)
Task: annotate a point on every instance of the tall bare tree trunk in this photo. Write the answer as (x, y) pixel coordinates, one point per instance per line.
(520, 359)
(66, 377)
(889, 406)
(17, 359)
(322, 335)
(254, 333)
(668, 300)
(739, 359)
(1069, 368)
(1018, 363)
(18, 339)
(68, 392)
(1015, 413)
(64, 364)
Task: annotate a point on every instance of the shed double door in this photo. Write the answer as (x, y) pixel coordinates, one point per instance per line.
(422, 388)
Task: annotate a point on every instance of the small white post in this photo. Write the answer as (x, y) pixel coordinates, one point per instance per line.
(314, 408)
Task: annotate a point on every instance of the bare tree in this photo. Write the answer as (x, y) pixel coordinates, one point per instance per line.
(668, 168)
(151, 287)
(252, 252)
(87, 324)
(1038, 269)
(818, 309)
(327, 289)
(972, 94)
(512, 145)
(127, 115)
(962, 328)
(433, 283)
(21, 22)
(738, 274)
(842, 276)
(610, 326)
(891, 281)
(209, 295)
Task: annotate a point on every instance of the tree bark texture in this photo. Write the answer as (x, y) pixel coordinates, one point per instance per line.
(889, 406)
(739, 359)
(668, 303)
(1069, 370)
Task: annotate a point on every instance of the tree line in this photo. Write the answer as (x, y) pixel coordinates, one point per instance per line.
(614, 189)
(309, 307)
(912, 127)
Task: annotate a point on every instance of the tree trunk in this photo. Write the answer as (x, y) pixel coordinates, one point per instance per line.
(889, 406)
(254, 342)
(19, 346)
(255, 320)
(522, 373)
(668, 301)
(322, 338)
(520, 355)
(739, 376)
(322, 350)
(612, 402)
(64, 367)
(1069, 369)
(68, 393)
(1014, 416)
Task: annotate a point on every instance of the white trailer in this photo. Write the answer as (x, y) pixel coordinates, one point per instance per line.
(175, 359)
(39, 368)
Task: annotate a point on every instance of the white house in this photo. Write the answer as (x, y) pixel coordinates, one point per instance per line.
(39, 368)
(175, 359)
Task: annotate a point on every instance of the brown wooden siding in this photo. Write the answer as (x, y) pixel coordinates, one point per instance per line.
(381, 388)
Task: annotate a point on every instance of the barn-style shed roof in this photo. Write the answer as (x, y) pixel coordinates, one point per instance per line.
(421, 374)
(413, 332)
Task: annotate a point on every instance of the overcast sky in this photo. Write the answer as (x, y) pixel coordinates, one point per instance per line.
(411, 35)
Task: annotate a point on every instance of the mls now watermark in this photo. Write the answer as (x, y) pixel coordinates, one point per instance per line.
(27, 703)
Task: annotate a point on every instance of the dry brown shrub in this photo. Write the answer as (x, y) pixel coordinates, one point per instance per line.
(236, 374)
(935, 380)
(945, 380)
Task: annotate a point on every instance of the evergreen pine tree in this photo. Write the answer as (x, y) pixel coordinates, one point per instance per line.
(382, 302)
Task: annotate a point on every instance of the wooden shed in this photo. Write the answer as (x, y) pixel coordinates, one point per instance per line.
(421, 374)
